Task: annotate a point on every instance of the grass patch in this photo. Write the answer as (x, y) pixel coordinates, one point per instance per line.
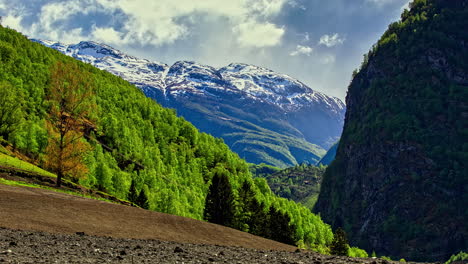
(11, 162)
(32, 185)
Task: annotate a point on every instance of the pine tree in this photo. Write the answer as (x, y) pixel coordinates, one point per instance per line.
(219, 205)
(142, 199)
(339, 244)
(246, 197)
(279, 228)
(132, 193)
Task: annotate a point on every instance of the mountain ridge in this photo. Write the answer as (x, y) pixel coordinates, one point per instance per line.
(262, 115)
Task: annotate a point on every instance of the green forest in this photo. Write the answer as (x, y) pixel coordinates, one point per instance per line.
(300, 183)
(135, 149)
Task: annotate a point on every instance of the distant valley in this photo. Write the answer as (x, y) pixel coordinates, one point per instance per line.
(264, 116)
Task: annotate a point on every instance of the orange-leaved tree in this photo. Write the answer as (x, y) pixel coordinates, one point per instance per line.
(71, 99)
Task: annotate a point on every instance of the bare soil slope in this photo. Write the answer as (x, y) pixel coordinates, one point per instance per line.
(42, 210)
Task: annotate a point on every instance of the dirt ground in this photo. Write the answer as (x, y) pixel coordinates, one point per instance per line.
(40, 226)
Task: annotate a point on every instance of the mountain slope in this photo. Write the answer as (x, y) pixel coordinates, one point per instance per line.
(300, 183)
(330, 156)
(133, 145)
(399, 183)
(262, 115)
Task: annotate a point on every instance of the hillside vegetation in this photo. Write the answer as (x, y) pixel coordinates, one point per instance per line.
(300, 183)
(399, 183)
(135, 146)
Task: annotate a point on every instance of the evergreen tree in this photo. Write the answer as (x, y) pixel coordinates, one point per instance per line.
(142, 199)
(339, 244)
(219, 205)
(245, 198)
(279, 227)
(132, 193)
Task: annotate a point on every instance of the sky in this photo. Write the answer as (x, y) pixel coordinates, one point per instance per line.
(319, 42)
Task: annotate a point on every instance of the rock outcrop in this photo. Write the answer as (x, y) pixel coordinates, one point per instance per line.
(399, 183)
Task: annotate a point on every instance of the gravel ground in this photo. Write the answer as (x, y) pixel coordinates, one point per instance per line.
(18, 246)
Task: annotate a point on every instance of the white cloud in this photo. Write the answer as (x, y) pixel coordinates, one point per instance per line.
(13, 21)
(302, 50)
(331, 41)
(155, 22)
(107, 35)
(254, 34)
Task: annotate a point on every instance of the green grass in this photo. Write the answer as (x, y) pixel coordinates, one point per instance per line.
(15, 163)
(32, 185)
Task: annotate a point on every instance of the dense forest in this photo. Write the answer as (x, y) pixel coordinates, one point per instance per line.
(300, 183)
(399, 182)
(134, 148)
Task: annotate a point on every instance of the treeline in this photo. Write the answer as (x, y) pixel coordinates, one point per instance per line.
(138, 150)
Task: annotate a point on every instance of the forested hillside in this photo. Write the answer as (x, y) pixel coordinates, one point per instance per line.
(300, 183)
(135, 149)
(399, 183)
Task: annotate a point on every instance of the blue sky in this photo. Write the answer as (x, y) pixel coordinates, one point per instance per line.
(318, 42)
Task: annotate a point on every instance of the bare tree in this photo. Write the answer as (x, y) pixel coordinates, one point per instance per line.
(70, 95)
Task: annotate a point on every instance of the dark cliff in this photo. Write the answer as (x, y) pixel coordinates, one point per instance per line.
(399, 183)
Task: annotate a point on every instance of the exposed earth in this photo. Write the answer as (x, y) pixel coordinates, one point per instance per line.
(40, 226)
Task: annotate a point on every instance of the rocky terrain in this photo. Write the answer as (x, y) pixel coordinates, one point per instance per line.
(40, 247)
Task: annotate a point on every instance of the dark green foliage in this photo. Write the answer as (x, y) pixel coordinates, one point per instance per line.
(300, 183)
(132, 193)
(219, 205)
(142, 149)
(400, 167)
(279, 227)
(245, 207)
(339, 244)
(142, 199)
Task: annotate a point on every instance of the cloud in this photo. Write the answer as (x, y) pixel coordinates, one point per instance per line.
(155, 23)
(301, 50)
(159, 22)
(12, 21)
(331, 41)
(254, 34)
(107, 35)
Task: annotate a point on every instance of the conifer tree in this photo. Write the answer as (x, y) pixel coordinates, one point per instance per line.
(142, 199)
(219, 205)
(339, 244)
(132, 193)
(69, 96)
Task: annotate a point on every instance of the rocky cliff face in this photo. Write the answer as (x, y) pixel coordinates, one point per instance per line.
(262, 115)
(399, 183)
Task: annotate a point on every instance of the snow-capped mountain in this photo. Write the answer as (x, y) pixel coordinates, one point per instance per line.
(256, 111)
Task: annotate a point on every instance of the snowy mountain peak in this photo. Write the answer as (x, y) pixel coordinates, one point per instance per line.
(188, 77)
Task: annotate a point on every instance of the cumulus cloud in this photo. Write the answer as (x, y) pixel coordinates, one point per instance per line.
(107, 35)
(155, 22)
(254, 34)
(301, 50)
(331, 41)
